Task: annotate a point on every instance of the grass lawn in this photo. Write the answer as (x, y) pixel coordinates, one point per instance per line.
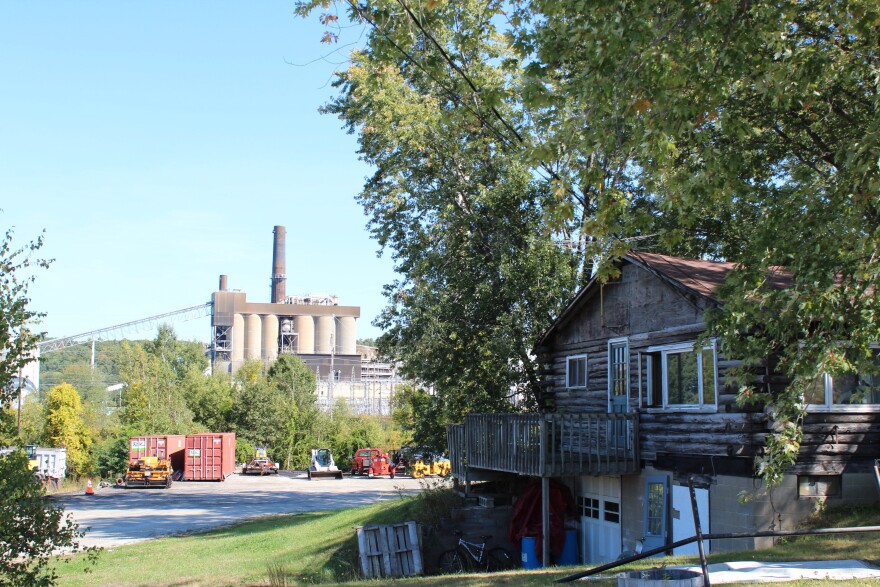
(320, 547)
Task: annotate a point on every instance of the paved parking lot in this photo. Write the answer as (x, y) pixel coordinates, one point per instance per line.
(116, 516)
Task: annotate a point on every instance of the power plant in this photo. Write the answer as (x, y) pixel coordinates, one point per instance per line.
(313, 327)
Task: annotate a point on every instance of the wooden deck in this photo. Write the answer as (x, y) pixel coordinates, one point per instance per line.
(545, 445)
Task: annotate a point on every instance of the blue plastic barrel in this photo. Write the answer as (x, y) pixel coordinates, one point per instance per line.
(529, 556)
(569, 554)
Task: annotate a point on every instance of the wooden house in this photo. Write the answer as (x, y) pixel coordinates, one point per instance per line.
(635, 407)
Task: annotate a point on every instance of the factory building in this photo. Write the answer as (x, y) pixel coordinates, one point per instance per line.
(313, 327)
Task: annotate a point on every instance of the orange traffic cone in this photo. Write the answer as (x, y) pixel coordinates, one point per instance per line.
(89, 490)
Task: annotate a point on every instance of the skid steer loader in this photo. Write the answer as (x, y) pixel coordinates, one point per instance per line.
(322, 464)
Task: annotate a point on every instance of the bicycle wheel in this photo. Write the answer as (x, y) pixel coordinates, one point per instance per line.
(500, 559)
(450, 562)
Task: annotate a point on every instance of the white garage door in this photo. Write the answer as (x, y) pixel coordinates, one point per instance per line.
(599, 505)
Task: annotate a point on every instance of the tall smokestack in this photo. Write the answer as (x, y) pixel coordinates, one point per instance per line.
(222, 283)
(279, 266)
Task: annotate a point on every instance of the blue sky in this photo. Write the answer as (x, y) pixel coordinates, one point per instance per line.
(158, 143)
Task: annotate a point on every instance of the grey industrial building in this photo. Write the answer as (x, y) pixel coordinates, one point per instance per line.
(314, 327)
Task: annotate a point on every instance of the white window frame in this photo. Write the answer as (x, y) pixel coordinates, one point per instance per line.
(829, 406)
(568, 361)
(616, 341)
(670, 349)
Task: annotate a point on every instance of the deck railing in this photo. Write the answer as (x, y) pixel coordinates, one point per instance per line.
(546, 444)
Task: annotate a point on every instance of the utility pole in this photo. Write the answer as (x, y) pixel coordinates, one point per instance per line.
(332, 364)
(18, 433)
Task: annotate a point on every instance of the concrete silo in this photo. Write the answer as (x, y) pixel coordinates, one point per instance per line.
(314, 327)
(253, 337)
(325, 335)
(304, 326)
(270, 337)
(346, 335)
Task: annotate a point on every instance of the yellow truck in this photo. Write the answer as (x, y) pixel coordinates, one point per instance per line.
(149, 472)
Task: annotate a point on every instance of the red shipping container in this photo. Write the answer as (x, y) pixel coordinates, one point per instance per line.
(209, 456)
(163, 446)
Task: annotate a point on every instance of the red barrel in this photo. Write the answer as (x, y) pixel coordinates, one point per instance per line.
(162, 446)
(209, 456)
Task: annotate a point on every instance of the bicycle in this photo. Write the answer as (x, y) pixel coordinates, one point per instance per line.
(474, 556)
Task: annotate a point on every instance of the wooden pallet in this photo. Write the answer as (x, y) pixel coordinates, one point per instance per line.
(390, 550)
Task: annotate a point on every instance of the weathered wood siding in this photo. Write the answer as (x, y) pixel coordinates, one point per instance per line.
(638, 306)
(839, 442)
(650, 312)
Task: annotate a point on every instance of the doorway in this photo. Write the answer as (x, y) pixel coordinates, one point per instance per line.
(656, 511)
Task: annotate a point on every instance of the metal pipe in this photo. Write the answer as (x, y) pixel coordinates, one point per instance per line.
(279, 266)
(703, 563)
(718, 536)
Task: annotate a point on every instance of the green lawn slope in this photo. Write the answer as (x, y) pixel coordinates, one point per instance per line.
(320, 548)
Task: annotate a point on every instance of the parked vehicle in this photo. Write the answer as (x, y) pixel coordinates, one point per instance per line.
(361, 459)
(169, 447)
(440, 467)
(419, 462)
(372, 462)
(322, 464)
(47, 464)
(149, 472)
(260, 464)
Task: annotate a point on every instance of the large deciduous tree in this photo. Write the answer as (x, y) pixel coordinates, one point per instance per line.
(18, 339)
(758, 118)
(31, 528)
(743, 131)
(433, 99)
(64, 427)
(153, 400)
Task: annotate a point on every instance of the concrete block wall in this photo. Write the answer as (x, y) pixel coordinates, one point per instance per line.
(777, 509)
(473, 522)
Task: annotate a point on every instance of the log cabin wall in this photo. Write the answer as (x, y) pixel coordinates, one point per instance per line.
(649, 311)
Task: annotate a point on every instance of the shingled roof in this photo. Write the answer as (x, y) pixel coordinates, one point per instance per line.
(699, 277)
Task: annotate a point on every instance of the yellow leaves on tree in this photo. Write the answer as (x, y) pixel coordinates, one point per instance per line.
(65, 428)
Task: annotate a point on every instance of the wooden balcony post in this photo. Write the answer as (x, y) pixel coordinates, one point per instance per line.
(545, 496)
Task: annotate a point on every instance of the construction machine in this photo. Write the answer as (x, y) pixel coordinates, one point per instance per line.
(323, 465)
(260, 463)
(149, 472)
(439, 466)
(372, 462)
(421, 461)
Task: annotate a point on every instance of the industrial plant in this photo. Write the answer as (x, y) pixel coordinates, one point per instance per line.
(313, 327)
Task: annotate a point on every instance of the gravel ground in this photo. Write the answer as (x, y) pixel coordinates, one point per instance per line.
(115, 515)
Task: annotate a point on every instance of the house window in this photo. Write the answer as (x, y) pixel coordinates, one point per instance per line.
(818, 486)
(846, 390)
(684, 376)
(576, 371)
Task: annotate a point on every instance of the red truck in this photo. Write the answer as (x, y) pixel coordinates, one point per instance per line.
(372, 462)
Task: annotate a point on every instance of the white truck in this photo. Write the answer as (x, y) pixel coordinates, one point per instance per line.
(48, 464)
